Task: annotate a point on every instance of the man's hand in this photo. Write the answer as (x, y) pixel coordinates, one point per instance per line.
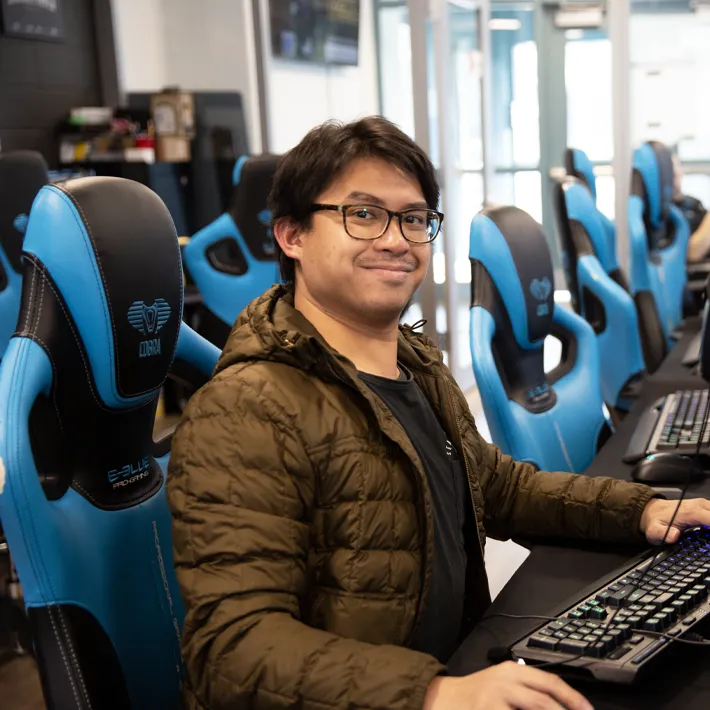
(658, 513)
(507, 686)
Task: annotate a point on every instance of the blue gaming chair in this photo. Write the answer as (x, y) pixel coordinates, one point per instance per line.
(555, 420)
(658, 236)
(231, 260)
(605, 305)
(22, 174)
(579, 166)
(82, 497)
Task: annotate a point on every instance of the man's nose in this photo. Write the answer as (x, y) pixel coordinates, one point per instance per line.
(392, 239)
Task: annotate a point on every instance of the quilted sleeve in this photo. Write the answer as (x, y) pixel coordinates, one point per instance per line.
(240, 489)
(519, 500)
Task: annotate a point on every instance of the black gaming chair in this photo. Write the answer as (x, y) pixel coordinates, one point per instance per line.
(22, 174)
(82, 490)
(554, 420)
(599, 298)
(232, 259)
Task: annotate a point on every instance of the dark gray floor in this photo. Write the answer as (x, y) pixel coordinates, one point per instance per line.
(19, 685)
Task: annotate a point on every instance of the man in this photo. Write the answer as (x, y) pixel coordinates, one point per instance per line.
(331, 494)
(696, 214)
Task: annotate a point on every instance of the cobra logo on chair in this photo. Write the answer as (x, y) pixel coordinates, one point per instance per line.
(149, 320)
(541, 289)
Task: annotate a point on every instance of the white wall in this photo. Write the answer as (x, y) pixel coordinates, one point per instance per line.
(670, 65)
(199, 45)
(209, 45)
(302, 95)
(141, 54)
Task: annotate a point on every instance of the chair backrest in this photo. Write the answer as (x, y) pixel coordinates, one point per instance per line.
(578, 165)
(82, 495)
(658, 238)
(605, 305)
(22, 174)
(554, 420)
(232, 260)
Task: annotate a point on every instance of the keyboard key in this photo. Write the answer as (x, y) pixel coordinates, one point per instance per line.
(635, 607)
(595, 650)
(665, 619)
(635, 622)
(585, 609)
(537, 641)
(557, 625)
(620, 652)
(618, 598)
(653, 624)
(603, 596)
(590, 638)
(625, 629)
(572, 646)
(575, 637)
(689, 620)
(576, 614)
(696, 596)
(598, 613)
(636, 596)
(636, 639)
(663, 599)
(545, 632)
(560, 634)
(610, 642)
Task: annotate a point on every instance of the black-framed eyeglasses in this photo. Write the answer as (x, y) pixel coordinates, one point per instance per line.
(362, 221)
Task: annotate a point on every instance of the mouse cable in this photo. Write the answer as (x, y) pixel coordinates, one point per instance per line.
(649, 565)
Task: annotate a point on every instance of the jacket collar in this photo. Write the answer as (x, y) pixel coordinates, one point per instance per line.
(271, 329)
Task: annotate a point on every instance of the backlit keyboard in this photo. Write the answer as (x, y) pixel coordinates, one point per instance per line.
(674, 423)
(672, 598)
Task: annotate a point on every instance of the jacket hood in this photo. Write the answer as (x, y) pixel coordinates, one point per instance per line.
(271, 329)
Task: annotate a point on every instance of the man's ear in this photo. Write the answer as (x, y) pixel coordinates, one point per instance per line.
(288, 234)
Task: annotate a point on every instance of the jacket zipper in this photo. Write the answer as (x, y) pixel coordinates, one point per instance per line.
(469, 478)
(425, 546)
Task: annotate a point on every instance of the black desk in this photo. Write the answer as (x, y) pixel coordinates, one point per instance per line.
(554, 573)
(672, 371)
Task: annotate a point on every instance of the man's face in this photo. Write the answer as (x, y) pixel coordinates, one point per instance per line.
(369, 281)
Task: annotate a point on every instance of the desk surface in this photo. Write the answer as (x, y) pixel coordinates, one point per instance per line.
(553, 573)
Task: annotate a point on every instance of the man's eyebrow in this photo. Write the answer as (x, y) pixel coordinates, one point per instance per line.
(365, 197)
(374, 200)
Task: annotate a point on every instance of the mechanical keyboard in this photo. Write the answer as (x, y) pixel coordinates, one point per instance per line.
(672, 598)
(673, 423)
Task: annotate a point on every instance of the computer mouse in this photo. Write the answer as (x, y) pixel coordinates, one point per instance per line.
(668, 467)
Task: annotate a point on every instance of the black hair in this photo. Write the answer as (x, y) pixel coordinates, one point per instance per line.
(325, 151)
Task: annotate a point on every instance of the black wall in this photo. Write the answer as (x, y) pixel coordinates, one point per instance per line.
(41, 81)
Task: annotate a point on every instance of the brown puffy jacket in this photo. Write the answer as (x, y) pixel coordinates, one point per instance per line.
(303, 524)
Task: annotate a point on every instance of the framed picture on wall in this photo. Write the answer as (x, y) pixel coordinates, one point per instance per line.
(33, 19)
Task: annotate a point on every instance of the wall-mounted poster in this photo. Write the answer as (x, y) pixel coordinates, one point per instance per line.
(33, 19)
(324, 31)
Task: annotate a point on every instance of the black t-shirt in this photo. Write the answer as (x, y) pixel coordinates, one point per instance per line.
(440, 622)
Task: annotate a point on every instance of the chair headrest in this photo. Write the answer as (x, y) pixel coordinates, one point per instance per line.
(578, 212)
(23, 173)
(653, 164)
(107, 247)
(580, 166)
(252, 178)
(512, 247)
